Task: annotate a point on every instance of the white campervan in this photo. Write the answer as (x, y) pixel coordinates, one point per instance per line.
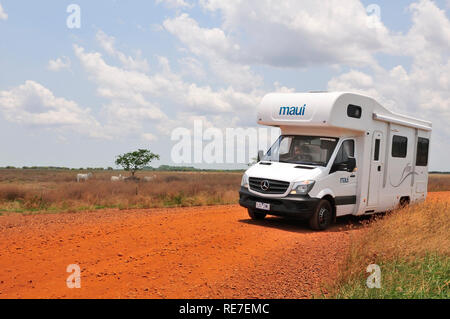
(338, 154)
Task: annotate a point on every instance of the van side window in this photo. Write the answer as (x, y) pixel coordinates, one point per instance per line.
(399, 146)
(354, 111)
(422, 151)
(347, 150)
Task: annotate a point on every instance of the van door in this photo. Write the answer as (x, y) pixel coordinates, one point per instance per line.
(344, 180)
(376, 169)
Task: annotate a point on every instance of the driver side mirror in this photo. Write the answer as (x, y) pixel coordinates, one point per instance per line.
(260, 156)
(347, 166)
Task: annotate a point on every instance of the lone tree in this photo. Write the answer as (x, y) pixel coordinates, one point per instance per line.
(135, 161)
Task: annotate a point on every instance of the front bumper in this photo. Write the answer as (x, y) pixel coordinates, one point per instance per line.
(301, 207)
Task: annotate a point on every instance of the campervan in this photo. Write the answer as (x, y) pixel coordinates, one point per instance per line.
(338, 154)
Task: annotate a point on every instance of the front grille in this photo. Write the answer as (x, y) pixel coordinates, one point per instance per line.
(275, 187)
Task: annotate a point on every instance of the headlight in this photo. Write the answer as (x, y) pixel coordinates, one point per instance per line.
(302, 188)
(244, 181)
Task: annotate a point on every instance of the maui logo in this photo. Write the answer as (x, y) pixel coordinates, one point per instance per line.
(344, 180)
(293, 110)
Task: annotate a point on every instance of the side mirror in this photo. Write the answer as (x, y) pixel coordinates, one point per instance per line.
(260, 155)
(347, 166)
(351, 164)
(339, 167)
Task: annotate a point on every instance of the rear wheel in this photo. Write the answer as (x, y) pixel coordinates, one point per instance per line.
(322, 217)
(404, 201)
(256, 215)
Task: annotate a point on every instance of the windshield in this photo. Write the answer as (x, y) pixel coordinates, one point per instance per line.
(298, 149)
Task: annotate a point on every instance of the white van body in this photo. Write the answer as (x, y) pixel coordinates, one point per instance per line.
(384, 145)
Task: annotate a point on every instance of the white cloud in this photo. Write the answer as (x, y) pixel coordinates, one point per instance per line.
(116, 83)
(130, 63)
(149, 137)
(217, 48)
(429, 35)
(59, 64)
(3, 14)
(424, 90)
(192, 67)
(33, 104)
(134, 90)
(282, 89)
(201, 41)
(296, 33)
(175, 3)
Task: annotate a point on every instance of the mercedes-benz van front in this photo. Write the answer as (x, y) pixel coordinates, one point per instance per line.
(291, 178)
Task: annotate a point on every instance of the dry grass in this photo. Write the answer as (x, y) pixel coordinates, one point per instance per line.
(57, 190)
(409, 232)
(22, 190)
(413, 242)
(439, 182)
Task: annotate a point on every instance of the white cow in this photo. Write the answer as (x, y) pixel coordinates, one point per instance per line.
(83, 177)
(149, 178)
(117, 178)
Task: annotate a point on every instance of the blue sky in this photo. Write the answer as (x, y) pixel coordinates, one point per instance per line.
(62, 101)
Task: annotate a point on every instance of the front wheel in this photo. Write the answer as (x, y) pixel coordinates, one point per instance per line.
(322, 217)
(256, 215)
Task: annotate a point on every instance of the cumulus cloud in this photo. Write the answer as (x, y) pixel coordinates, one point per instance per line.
(296, 33)
(119, 84)
(192, 67)
(33, 104)
(3, 14)
(149, 137)
(219, 50)
(59, 64)
(132, 93)
(423, 90)
(108, 44)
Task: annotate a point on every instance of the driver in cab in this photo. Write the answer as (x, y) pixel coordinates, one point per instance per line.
(299, 153)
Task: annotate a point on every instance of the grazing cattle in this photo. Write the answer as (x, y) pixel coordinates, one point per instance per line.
(117, 178)
(149, 178)
(83, 177)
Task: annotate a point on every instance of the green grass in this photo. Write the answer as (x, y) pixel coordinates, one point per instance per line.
(426, 277)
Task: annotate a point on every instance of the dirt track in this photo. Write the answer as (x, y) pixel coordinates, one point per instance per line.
(201, 252)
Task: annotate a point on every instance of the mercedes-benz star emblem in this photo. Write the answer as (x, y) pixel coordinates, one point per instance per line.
(265, 185)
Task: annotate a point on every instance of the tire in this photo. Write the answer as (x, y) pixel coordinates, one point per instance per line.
(404, 201)
(322, 217)
(256, 215)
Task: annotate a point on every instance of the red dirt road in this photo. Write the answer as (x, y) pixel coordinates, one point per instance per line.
(201, 252)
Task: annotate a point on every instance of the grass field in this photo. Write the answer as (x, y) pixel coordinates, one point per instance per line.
(412, 248)
(31, 191)
(439, 182)
(26, 191)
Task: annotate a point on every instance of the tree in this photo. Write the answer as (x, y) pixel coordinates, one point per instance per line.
(135, 161)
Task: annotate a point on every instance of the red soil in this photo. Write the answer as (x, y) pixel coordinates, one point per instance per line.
(201, 252)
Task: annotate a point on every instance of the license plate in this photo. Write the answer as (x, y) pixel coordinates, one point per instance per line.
(263, 206)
